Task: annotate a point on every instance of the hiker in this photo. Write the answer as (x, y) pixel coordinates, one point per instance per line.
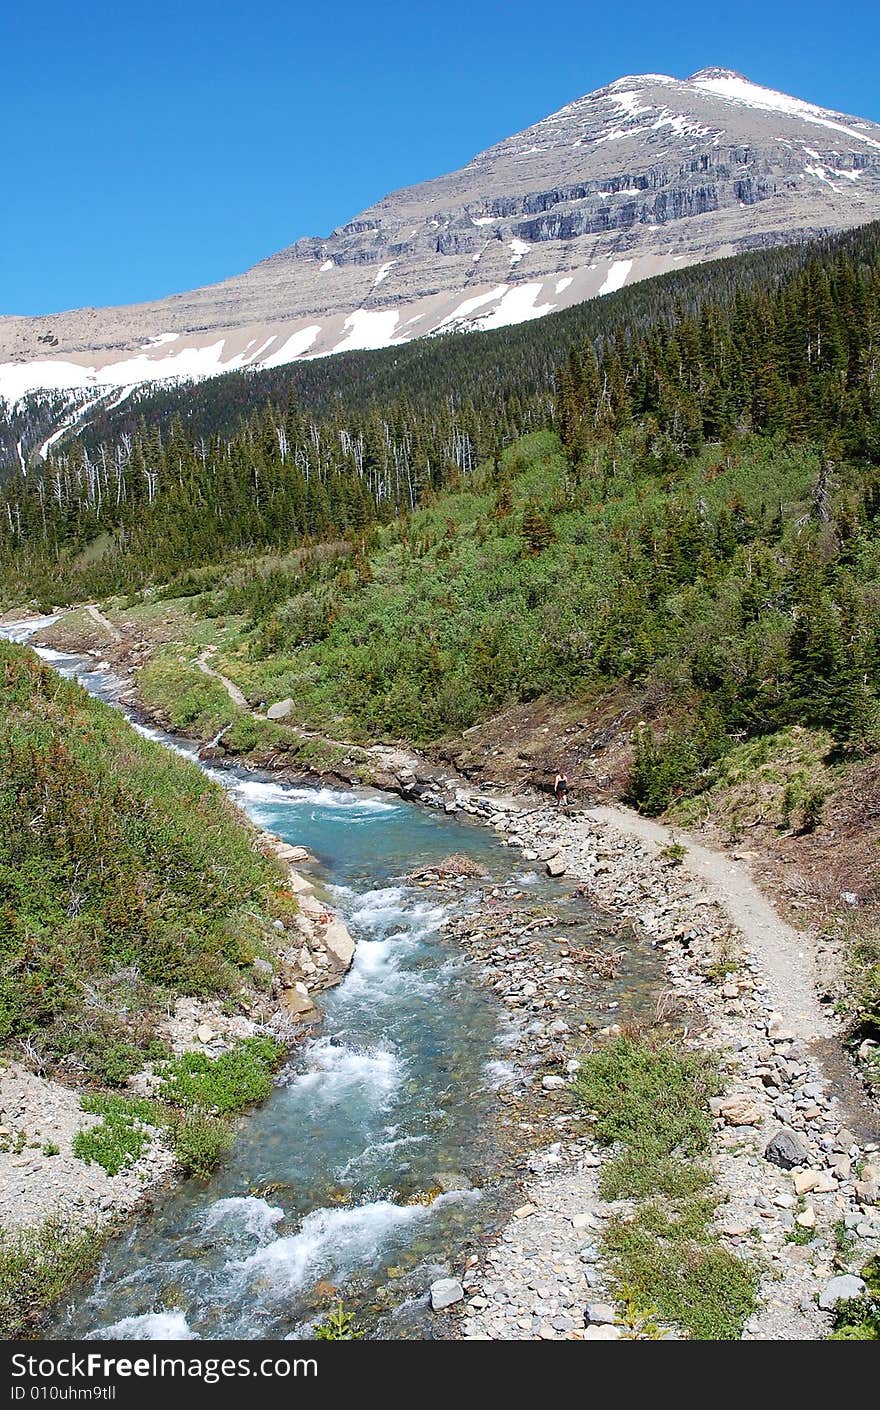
(560, 790)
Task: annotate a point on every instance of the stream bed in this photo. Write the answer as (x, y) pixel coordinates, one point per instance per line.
(398, 1094)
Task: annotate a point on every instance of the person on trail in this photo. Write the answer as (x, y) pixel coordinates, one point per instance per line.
(560, 790)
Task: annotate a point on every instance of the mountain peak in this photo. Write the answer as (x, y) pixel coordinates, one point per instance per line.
(712, 73)
(635, 179)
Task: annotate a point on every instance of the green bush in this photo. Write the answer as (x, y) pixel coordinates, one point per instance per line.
(199, 1142)
(230, 1082)
(36, 1265)
(651, 1099)
(675, 1262)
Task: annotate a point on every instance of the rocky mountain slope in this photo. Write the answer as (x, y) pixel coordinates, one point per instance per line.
(637, 178)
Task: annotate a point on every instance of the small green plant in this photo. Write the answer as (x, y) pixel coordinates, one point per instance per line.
(338, 1325)
(672, 1259)
(651, 1098)
(230, 1082)
(199, 1142)
(51, 1148)
(119, 1139)
(113, 1145)
(843, 1240)
(673, 854)
(639, 1323)
(813, 808)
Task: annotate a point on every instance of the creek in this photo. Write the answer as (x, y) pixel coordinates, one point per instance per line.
(398, 1094)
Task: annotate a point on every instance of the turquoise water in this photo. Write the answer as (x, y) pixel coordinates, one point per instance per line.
(395, 1095)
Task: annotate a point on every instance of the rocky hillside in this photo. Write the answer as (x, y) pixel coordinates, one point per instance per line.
(642, 176)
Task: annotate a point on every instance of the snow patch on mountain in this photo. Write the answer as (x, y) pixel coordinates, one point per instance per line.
(616, 276)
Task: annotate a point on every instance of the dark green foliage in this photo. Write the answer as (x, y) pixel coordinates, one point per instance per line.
(782, 342)
(200, 1141)
(671, 1260)
(650, 1098)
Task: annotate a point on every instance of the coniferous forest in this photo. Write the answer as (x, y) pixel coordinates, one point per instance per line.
(686, 499)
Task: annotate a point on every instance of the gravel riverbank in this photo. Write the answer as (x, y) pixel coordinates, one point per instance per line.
(747, 996)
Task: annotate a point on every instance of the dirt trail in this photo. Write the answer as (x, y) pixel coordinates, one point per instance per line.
(785, 955)
(232, 690)
(104, 622)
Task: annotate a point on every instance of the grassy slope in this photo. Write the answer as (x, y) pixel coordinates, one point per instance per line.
(125, 877)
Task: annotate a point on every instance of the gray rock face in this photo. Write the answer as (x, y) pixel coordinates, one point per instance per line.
(642, 176)
(842, 1289)
(788, 1149)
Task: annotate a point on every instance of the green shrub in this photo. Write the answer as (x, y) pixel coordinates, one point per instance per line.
(36, 1265)
(675, 1262)
(199, 1142)
(230, 1082)
(338, 1325)
(117, 1141)
(652, 1099)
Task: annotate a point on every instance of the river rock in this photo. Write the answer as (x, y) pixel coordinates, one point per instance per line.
(602, 1333)
(741, 1111)
(805, 1181)
(339, 944)
(551, 1083)
(787, 1149)
(445, 1292)
(205, 1033)
(280, 711)
(841, 1289)
(297, 1000)
(556, 867)
(601, 1314)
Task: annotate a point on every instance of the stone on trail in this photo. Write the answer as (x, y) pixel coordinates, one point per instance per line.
(205, 1033)
(280, 710)
(524, 1211)
(445, 1292)
(840, 1289)
(602, 1333)
(556, 867)
(787, 1149)
(805, 1181)
(551, 1083)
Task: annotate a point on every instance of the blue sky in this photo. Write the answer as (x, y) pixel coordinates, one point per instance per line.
(152, 148)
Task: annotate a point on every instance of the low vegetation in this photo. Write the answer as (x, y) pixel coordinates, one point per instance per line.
(196, 1096)
(650, 1099)
(228, 1083)
(36, 1265)
(858, 1319)
(126, 877)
